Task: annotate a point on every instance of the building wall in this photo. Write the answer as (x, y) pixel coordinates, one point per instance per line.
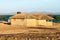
(25, 22)
(49, 24)
(45, 23)
(41, 22)
(31, 22)
(17, 22)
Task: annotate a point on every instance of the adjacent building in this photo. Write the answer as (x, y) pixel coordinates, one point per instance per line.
(30, 20)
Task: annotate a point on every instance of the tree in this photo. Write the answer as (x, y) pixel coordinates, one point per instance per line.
(57, 18)
(3, 18)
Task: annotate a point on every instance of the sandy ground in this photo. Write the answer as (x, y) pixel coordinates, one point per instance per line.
(11, 29)
(56, 25)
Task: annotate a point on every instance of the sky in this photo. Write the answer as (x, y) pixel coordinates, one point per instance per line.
(11, 6)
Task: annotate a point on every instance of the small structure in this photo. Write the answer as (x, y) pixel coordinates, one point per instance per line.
(31, 20)
(43, 19)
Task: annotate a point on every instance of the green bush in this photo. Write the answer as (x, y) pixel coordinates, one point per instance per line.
(3, 18)
(56, 18)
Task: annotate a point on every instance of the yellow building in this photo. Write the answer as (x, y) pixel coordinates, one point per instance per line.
(43, 19)
(31, 20)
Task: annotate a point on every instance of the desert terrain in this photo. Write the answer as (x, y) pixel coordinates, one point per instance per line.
(7, 29)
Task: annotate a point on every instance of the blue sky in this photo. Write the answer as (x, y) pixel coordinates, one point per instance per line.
(9, 6)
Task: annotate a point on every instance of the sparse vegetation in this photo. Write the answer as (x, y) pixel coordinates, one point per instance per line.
(57, 18)
(2, 18)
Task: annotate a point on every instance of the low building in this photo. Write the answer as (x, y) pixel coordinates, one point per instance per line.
(43, 19)
(31, 20)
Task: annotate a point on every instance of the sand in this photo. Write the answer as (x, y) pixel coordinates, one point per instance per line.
(13, 29)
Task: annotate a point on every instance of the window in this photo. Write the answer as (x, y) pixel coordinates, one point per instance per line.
(48, 20)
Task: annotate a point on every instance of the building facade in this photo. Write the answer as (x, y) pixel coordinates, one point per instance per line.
(31, 20)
